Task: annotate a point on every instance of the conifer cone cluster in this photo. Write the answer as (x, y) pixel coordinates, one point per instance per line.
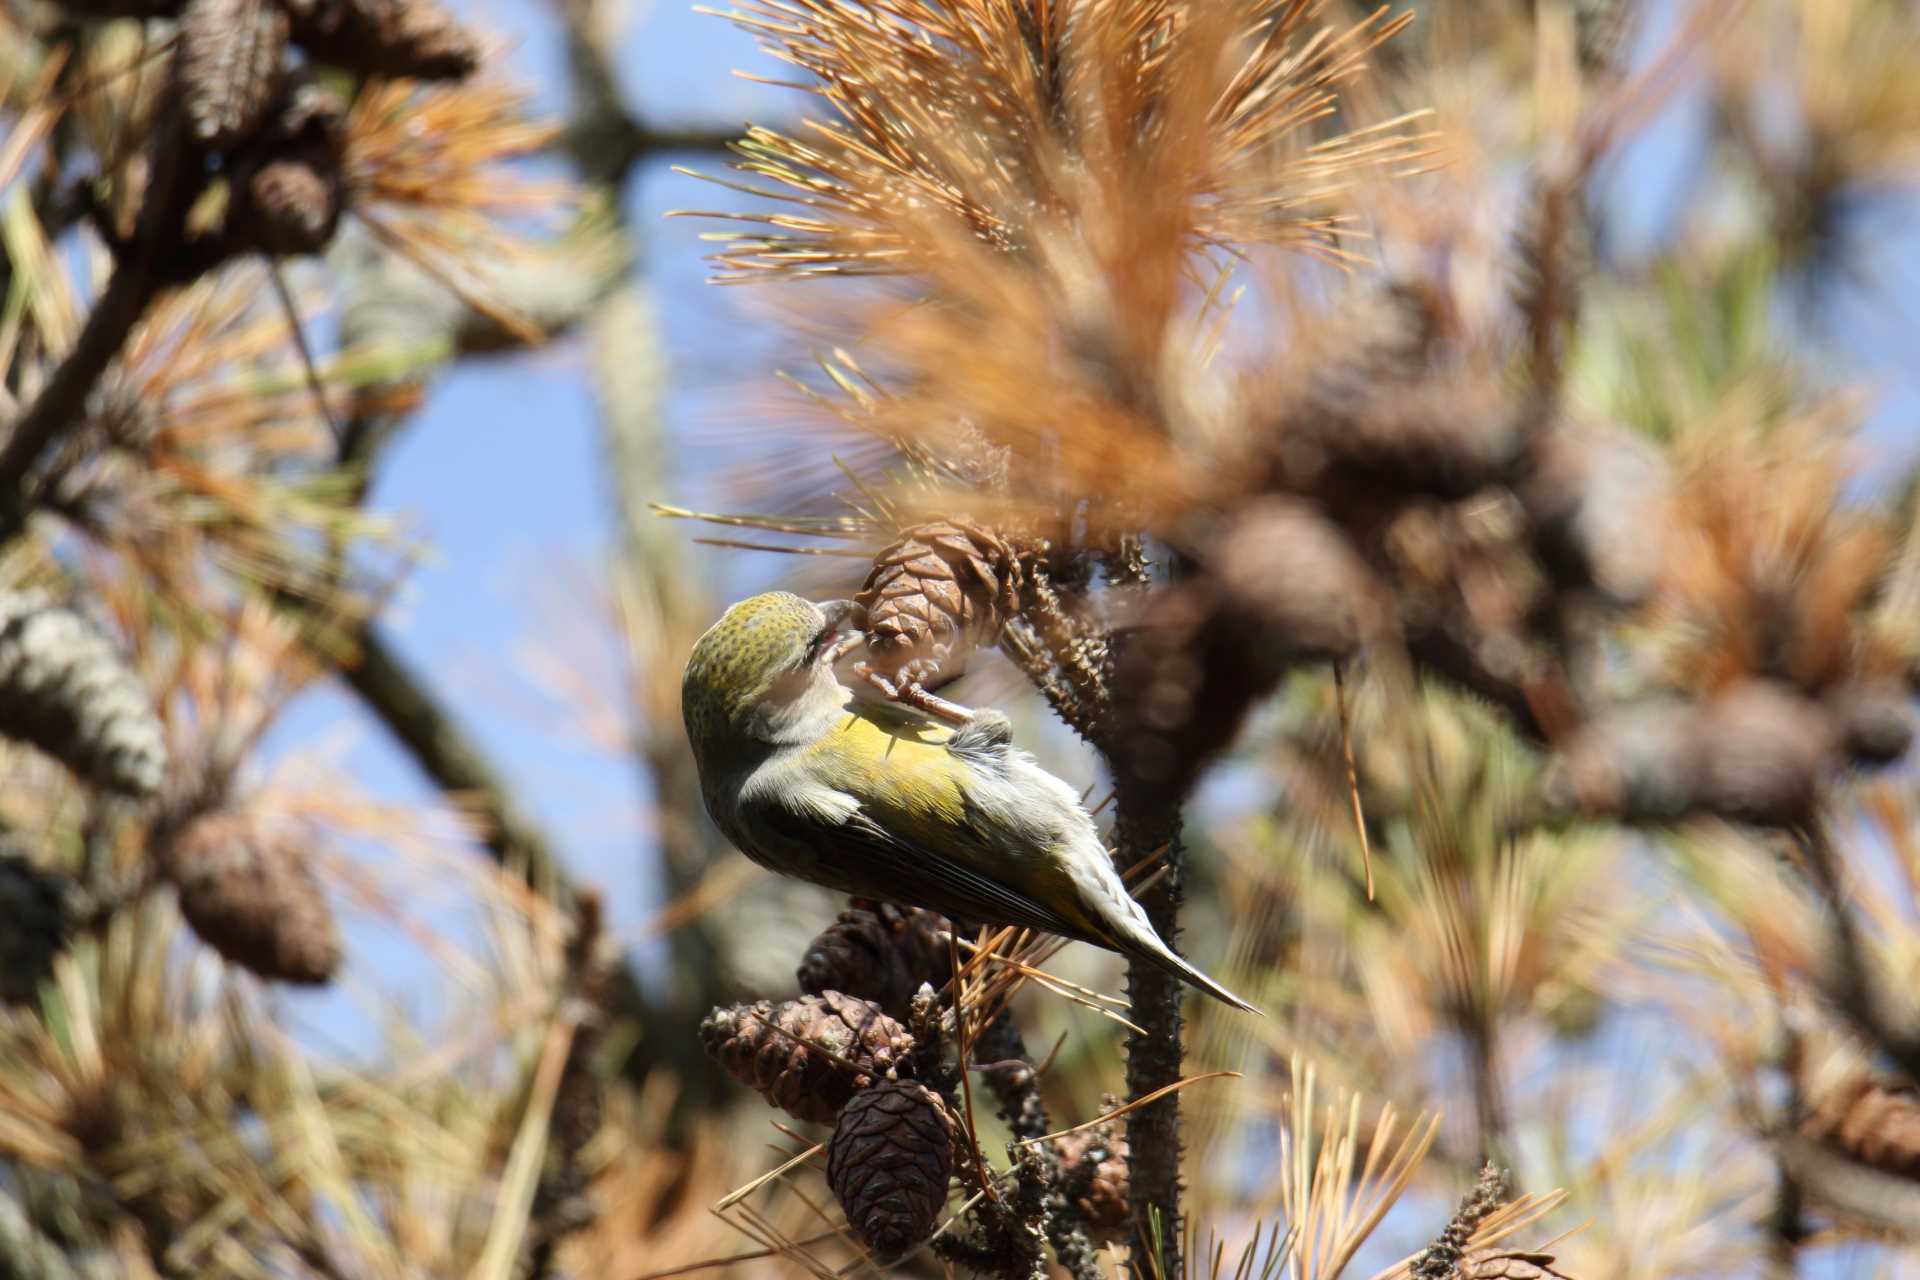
(889, 1163)
(809, 1056)
(35, 924)
(940, 589)
(249, 893)
(1093, 1174)
(879, 952)
(233, 50)
(249, 101)
(64, 689)
(1452, 1256)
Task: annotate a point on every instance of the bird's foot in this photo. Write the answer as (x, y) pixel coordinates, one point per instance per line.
(905, 688)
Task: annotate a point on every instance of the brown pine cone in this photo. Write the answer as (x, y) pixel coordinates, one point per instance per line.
(808, 1056)
(1757, 752)
(879, 952)
(249, 894)
(288, 192)
(1093, 1173)
(415, 38)
(1871, 1120)
(1497, 1263)
(943, 584)
(35, 920)
(889, 1162)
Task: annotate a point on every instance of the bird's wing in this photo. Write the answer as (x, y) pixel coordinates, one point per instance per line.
(872, 860)
(889, 819)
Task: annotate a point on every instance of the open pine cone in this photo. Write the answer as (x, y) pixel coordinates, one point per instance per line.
(941, 586)
(250, 894)
(878, 952)
(808, 1056)
(1875, 1121)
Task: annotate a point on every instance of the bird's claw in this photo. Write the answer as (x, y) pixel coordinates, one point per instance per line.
(908, 691)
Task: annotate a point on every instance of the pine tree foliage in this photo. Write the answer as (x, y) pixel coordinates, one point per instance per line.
(1481, 586)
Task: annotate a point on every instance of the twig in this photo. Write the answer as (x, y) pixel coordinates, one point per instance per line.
(1856, 1189)
(61, 405)
(139, 274)
(1853, 988)
(603, 135)
(1016, 1087)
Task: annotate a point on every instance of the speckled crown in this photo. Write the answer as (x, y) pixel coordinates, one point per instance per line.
(734, 662)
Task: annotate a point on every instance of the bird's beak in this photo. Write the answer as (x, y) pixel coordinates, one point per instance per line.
(848, 621)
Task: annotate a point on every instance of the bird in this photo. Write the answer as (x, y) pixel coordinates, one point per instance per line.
(881, 800)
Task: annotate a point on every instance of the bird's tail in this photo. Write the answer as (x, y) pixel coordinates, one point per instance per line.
(1151, 949)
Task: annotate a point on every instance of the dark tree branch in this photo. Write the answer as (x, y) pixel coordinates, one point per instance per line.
(138, 277)
(1854, 988)
(604, 136)
(1002, 1054)
(1154, 1134)
(419, 722)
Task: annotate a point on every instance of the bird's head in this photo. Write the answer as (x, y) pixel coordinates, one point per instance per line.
(765, 669)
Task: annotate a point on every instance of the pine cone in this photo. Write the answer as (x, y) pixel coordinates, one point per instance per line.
(808, 1056)
(1496, 1263)
(941, 584)
(288, 192)
(879, 952)
(35, 920)
(1875, 726)
(888, 1164)
(231, 60)
(250, 895)
(1444, 1259)
(1871, 1120)
(385, 37)
(1093, 1173)
(1756, 753)
(63, 689)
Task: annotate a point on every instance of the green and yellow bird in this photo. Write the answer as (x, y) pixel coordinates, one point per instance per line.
(876, 799)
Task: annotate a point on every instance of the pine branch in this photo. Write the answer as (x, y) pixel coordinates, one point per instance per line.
(605, 138)
(1854, 989)
(1154, 1132)
(427, 729)
(139, 276)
